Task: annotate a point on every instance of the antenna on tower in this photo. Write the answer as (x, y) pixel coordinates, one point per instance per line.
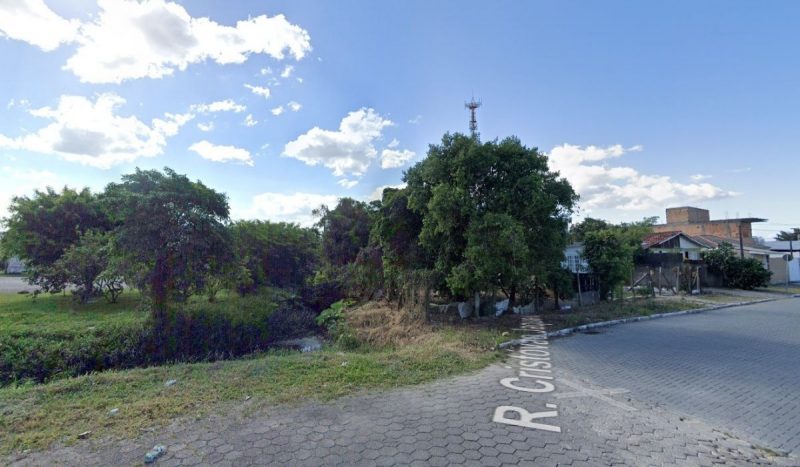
(473, 120)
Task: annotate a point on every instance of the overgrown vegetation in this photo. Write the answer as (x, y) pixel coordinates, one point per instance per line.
(736, 272)
(34, 416)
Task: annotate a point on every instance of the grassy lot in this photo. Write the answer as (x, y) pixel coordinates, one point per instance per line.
(615, 310)
(61, 315)
(34, 416)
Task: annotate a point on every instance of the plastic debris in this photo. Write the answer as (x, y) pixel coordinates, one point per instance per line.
(500, 307)
(84, 435)
(170, 382)
(113, 411)
(153, 454)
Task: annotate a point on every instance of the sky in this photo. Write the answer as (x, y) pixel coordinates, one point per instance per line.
(287, 105)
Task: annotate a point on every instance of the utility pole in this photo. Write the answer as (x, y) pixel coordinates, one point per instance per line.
(473, 120)
(741, 242)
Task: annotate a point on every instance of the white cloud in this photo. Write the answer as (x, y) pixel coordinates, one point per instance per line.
(699, 177)
(287, 71)
(277, 110)
(258, 90)
(250, 121)
(377, 193)
(33, 22)
(131, 39)
(23, 103)
(299, 80)
(294, 106)
(206, 127)
(283, 207)
(18, 182)
(91, 133)
(218, 153)
(347, 183)
(415, 120)
(393, 158)
(393, 144)
(227, 105)
(349, 150)
(602, 186)
(266, 71)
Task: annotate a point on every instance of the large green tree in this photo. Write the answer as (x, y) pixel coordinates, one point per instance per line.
(494, 215)
(610, 258)
(275, 254)
(39, 229)
(170, 231)
(345, 230)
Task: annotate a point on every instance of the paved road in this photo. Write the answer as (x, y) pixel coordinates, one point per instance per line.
(452, 421)
(736, 368)
(14, 284)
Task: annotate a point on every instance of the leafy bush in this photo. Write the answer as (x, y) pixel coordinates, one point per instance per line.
(334, 320)
(736, 272)
(291, 321)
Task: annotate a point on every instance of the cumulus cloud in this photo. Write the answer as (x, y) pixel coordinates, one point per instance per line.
(287, 71)
(285, 207)
(205, 127)
(393, 158)
(699, 177)
(346, 183)
(34, 22)
(604, 186)
(227, 105)
(377, 193)
(219, 153)
(348, 150)
(91, 133)
(258, 90)
(131, 39)
(294, 106)
(249, 121)
(277, 110)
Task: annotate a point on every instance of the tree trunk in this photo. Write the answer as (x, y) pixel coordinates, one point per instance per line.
(512, 298)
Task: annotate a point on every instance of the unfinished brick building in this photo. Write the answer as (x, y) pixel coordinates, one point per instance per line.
(697, 222)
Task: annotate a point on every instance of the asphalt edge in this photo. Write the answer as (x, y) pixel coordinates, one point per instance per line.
(633, 319)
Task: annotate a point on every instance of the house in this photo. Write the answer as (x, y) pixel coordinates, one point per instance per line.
(13, 265)
(697, 224)
(780, 267)
(676, 243)
(583, 280)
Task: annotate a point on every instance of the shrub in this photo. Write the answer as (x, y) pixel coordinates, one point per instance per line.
(739, 273)
(288, 322)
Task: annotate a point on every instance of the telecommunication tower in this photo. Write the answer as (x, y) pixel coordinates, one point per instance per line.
(473, 120)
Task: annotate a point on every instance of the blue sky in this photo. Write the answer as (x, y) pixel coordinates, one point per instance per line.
(642, 105)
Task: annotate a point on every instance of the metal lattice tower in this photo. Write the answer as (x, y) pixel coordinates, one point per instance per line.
(473, 120)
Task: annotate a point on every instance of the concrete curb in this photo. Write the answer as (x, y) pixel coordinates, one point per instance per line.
(602, 324)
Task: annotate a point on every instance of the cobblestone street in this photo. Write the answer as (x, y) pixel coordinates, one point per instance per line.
(654, 393)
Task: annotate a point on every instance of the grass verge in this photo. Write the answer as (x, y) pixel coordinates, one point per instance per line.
(35, 416)
(606, 311)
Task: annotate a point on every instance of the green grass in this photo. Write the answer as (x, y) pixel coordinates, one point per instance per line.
(34, 416)
(61, 315)
(606, 311)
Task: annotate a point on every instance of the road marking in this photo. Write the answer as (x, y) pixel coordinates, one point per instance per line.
(598, 394)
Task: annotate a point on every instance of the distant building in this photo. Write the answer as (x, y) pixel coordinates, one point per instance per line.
(697, 224)
(778, 264)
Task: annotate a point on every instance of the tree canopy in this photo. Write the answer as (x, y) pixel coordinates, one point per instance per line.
(786, 235)
(493, 214)
(171, 231)
(42, 227)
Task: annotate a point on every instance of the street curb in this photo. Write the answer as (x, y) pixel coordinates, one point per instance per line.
(602, 324)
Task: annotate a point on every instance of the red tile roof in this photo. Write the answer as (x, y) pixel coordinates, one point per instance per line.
(657, 238)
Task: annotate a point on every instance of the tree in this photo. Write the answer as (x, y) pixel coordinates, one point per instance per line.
(345, 230)
(464, 189)
(736, 272)
(84, 261)
(785, 235)
(171, 232)
(577, 232)
(276, 254)
(610, 258)
(41, 228)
